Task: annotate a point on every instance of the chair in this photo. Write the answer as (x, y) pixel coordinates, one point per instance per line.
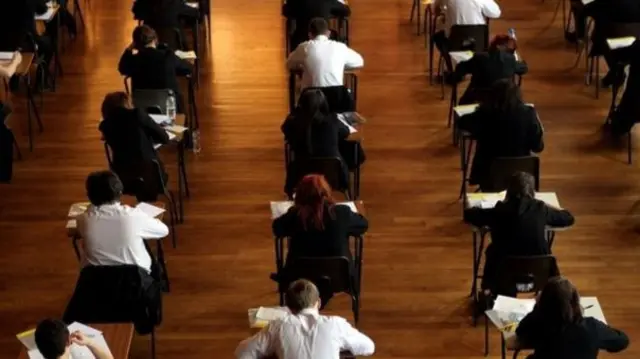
(144, 180)
(336, 269)
(339, 98)
(331, 168)
(117, 294)
(521, 275)
(503, 168)
(152, 101)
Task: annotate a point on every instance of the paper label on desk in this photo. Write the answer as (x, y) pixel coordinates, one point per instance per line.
(281, 207)
(78, 209)
(186, 55)
(161, 119)
(620, 42)
(4, 55)
(149, 209)
(77, 352)
(47, 15)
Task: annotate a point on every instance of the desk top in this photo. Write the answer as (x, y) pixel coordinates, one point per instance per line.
(118, 337)
(279, 208)
(489, 200)
(471, 108)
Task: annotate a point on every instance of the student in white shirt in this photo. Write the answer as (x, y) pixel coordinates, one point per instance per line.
(54, 341)
(322, 60)
(113, 233)
(461, 12)
(305, 334)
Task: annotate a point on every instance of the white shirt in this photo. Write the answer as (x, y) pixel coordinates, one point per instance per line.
(113, 235)
(307, 335)
(467, 12)
(323, 62)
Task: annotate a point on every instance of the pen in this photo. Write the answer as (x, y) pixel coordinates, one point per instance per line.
(588, 307)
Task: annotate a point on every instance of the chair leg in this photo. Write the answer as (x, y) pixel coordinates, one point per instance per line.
(15, 144)
(486, 336)
(629, 147)
(413, 9)
(597, 76)
(173, 214)
(355, 304)
(153, 343)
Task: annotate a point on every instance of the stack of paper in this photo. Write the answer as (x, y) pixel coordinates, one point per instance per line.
(75, 210)
(186, 55)
(77, 352)
(281, 207)
(175, 129)
(507, 312)
(485, 200)
(461, 56)
(149, 209)
(260, 317)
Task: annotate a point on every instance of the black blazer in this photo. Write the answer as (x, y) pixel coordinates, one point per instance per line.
(581, 340)
(17, 22)
(317, 140)
(154, 68)
(608, 12)
(131, 134)
(501, 135)
(339, 224)
(485, 69)
(518, 227)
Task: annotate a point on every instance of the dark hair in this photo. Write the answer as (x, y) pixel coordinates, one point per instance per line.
(143, 36)
(52, 338)
(521, 185)
(559, 303)
(302, 294)
(504, 97)
(312, 194)
(312, 109)
(318, 26)
(503, 43)
(103, 187)
(113, 101)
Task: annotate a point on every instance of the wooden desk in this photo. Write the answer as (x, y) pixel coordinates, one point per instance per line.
(118, 337)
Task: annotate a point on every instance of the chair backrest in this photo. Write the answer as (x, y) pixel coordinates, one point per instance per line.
(526, 274)
(152, 101)
(502, 168)
(143, 179)
(463, 36)
(338, 97)
(336, 269)
(331, 168)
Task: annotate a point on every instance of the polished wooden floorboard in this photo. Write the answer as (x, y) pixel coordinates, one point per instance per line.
(417, 269)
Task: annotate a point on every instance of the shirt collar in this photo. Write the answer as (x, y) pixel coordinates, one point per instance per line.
(310, 311)
(321, 38)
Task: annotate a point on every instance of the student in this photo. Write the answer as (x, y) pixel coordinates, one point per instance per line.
(54, 341)
(153, 67)
(114, 233)
(628, 111)
(488, 67)
(461, 12)
(303, 11)
(305, 333)
(518, 226)
(558, 329)
(503, 126)
(312, 131)
(165, 16)
(322, 60)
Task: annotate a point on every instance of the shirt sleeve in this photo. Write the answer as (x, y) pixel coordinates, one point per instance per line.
(558, 217)
(150, 228)
(283, 225)
(491, 9)
(352, 59)
(610, 339)
(353, 340)
(296, 59)
(256, 347)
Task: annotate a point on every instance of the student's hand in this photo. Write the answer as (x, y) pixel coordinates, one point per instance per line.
(17, 57)
(80, 338)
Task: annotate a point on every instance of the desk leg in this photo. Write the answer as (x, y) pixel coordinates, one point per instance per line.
(182, 165)
(180, 185)
(194, 109)
(278, 243)
(418, 16)
(356, 173)
(474, 268)
(464, 160)
(196, 43)
(452, 104)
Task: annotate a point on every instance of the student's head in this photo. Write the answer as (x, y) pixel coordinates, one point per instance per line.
(504, 96)
(521, 185)
(144, 36)
(113, 101)
(313, 105)
(103, 187)
(503, 43)
(559, 302)
(52, 338)
(302, 294)
(318, 26)
(312, 193)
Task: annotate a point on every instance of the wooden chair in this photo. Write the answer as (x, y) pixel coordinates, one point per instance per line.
(503, 168)
(521, 275)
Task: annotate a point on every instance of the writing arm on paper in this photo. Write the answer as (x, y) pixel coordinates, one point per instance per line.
(353, 340)
(358, 225)
(352, 59)
(256, 347)
(152, 129)
(558, 217)
(282, 226)
(479, 217)
(80, 338)
(125, 66)
(150, 228)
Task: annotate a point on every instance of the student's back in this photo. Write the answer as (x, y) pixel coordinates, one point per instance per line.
(317, 139)
(153, 68)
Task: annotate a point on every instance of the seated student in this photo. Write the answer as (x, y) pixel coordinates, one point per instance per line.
(114, 233)
(461, 12)
(312, 131)
(488, 67)
(164, 16)
(153, 67)
(503, 126)
(558, 329)
(628, 111)
(322, 60)
(518, 226)
(303, 11)
(54, 341)
(305, 333)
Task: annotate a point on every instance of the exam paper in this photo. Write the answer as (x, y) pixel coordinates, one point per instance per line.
(160, 119)
(281, 207)
(78, 209)
(150, 209)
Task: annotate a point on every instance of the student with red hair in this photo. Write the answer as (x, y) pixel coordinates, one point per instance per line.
(488, 67)
(316, 225)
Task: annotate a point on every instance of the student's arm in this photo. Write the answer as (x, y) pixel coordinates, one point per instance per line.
(295, 61)
(358, 225)
(152, 129)
(256, 347)
(352, 59)
(125, 66)
(343, 130)
(471, 123)
(478, 217)
(465, 67)
(353, 340)
(610, 339)
(150, 228)
(556, 217)
(521, 67)
(490, 9)
(80, 339)
(283, 225)
(537, 133)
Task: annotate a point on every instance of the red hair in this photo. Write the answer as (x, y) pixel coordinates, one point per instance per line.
(312, 193)
(504, 43)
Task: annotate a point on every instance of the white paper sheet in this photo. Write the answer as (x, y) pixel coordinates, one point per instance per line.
(150, 209)
(47, 16)
(175, 129)
(77, 351)
(351, 128)
(269, 314)
(6, 56)
(194, 5)
(489, 200)
(465, 109)
(620, 42)
(161, 119)
(72, 223)
(281, 207)
(186, 55)
(460, 56)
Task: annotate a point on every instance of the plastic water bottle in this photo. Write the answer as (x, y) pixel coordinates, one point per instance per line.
(512, 33)
(171, 108)
(195, 138)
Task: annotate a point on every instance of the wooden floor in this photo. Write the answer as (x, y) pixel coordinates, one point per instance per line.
(417, 270)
